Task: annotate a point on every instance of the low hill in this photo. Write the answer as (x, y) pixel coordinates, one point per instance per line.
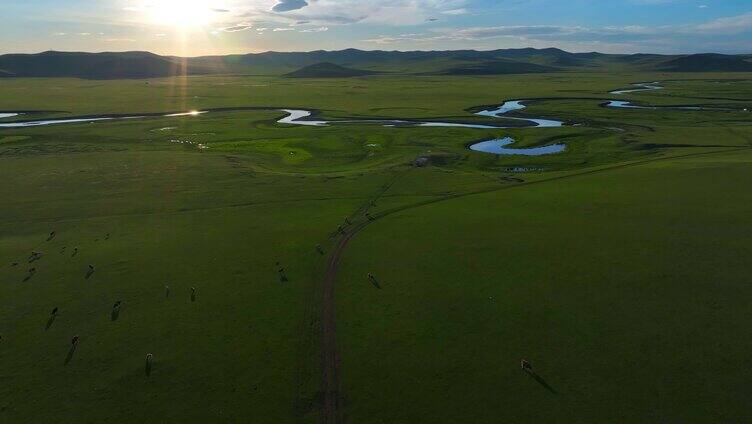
(328, 70)
(708, 62)
(94, 65)
(499, 67)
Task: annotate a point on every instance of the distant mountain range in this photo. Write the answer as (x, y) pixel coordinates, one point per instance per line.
(353, 62)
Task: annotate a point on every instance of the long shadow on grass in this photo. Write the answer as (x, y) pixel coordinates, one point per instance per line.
(115, 314)
(542, 382)
(69, 357)
(147, 368)
(50, 322)
(375, 283)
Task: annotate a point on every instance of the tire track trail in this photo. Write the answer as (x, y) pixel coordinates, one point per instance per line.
(331, 400)
(331, 409)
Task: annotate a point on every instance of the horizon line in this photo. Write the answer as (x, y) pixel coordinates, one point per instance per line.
(366, 50)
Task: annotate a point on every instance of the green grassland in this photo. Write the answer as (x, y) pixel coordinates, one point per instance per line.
(618, 268)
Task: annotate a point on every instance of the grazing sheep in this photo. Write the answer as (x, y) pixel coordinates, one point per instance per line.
(281, 272)
(149, 360)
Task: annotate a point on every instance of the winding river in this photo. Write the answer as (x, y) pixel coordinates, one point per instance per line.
(305, 118)
(498, 146)
(639, 86)
(628, 105)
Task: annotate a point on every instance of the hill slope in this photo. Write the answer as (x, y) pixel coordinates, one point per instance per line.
(708, 62)
(327, 70)
(499, 67)
(94, 65)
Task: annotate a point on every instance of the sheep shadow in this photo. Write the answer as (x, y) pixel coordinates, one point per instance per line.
(147, 368)
(115, 314)
(71, 352)
(28, 277)
(375, 282)
(541, 381)
(50, 322)
(89, 273)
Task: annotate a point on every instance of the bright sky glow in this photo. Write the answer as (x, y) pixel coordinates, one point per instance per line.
(202, 27)
(180, 13)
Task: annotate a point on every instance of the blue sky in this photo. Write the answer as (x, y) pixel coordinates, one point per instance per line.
(202, 27)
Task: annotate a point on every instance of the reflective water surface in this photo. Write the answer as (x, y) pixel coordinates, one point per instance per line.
(498, 147)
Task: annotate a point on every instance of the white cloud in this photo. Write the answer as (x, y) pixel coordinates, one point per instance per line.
(288, 5)
(461, 11)
(320, 15)
(319, 29)
(631, 38)
(238, 27)
(730, 25)
(387, 12)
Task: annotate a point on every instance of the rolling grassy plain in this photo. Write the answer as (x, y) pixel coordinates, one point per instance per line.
(618, 268)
